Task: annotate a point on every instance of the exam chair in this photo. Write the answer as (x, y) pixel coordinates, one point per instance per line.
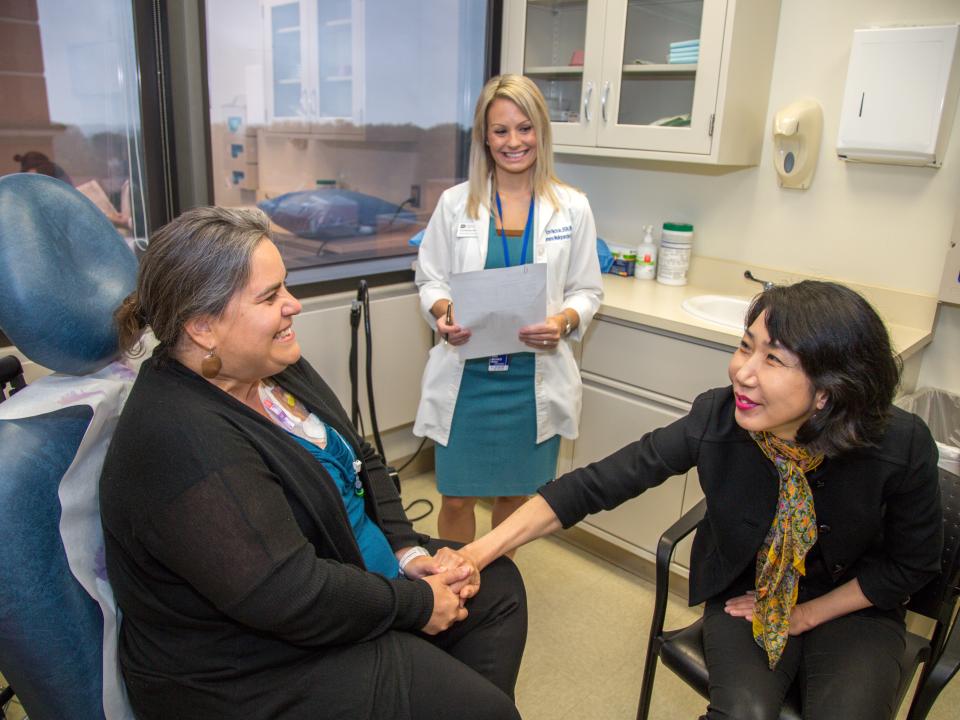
(63, 269)
(681, 650)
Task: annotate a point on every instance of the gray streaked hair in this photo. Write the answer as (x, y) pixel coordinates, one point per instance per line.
(192, 267)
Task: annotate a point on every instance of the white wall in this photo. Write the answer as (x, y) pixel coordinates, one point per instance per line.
(941, 366)
(878, 225)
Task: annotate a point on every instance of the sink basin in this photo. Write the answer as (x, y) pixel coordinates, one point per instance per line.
(720, 309)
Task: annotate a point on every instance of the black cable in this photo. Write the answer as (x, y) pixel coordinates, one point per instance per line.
(361, 307)
(408, 201)
(363, 295)
(356, 308)
(419, 517)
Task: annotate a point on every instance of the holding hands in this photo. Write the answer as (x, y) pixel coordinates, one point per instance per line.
(454, 579)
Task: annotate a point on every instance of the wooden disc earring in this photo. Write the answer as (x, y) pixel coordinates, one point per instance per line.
(211, 364)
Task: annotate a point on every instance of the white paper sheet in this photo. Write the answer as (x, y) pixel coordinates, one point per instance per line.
(495, 304)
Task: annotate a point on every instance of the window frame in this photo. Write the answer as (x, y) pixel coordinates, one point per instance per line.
(186, 122)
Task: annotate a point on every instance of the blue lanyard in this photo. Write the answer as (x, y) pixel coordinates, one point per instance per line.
(526, 233)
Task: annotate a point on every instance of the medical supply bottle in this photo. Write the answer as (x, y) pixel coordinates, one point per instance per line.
(646, 268)
(624, 261)
(676, 243)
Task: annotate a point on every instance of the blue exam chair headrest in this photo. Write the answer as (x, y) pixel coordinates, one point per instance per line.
(63, 271)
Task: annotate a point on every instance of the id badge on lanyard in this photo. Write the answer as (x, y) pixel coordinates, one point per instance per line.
(501, 363)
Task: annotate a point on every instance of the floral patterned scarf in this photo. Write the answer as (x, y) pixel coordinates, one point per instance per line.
(780, 561)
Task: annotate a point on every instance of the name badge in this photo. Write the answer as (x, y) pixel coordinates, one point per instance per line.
(466, 230)
(563, 232)
(498, 363)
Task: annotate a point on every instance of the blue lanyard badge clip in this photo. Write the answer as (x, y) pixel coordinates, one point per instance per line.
(526, 233)
(501, 363)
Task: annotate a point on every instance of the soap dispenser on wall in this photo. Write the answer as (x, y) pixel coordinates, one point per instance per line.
(797, 129)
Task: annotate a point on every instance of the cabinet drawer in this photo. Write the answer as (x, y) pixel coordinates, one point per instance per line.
(609, 421)
(661, 363)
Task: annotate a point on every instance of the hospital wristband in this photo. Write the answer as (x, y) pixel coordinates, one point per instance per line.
(414, 552)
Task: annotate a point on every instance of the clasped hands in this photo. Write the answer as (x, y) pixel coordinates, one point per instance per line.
(453, 577)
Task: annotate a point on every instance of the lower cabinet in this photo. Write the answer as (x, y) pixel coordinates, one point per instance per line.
(611, 419)
(635, 380)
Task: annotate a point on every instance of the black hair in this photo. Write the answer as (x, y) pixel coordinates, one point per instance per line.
(844, 349)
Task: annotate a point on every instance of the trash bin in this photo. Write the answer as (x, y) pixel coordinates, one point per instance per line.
(941, 411)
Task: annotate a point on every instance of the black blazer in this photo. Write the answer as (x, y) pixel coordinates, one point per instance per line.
(878, 508)
(233, 561)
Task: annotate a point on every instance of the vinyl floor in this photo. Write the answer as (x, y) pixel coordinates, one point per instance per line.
(589, 622)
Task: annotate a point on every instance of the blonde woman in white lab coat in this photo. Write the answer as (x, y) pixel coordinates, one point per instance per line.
(497, 421)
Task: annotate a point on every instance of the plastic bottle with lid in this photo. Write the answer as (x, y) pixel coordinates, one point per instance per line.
(624, 260)
(646, 268)
(676, 243)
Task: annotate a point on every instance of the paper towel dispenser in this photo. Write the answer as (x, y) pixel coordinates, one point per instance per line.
(900, 96)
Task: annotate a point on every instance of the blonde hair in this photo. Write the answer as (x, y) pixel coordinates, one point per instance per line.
(525, 94)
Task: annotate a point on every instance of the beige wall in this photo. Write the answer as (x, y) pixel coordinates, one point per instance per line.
(941, 368)
(878, 225)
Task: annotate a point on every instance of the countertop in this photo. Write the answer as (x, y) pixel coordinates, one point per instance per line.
(649, 303)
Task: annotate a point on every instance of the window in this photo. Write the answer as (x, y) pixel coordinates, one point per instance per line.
(71, 109)
(343, 119)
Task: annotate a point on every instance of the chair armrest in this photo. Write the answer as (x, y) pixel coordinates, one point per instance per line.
(665, 548)
(948, 663)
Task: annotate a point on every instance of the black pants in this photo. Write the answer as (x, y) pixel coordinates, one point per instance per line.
(487, 647)
(847, 668)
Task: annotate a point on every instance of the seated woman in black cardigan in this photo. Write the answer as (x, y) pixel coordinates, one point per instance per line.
(823, 509)
(256, 546)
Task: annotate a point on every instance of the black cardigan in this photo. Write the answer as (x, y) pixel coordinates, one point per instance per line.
(232, 559)
(878, 508)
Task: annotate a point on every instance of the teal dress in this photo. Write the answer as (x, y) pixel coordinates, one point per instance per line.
(493, 449)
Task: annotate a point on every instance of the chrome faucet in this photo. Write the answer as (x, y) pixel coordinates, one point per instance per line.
(767, 285)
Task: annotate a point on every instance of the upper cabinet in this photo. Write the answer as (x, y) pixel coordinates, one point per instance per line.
(314, 66)
(684, 80)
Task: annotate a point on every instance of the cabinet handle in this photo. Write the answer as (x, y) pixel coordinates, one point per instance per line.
(603, 101)
(586, 101)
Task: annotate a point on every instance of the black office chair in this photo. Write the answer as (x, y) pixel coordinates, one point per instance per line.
(682, 650)
(6, 695)
(11, 380)
(11, 376)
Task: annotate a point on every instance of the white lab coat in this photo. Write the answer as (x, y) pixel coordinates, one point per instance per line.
(565, 238)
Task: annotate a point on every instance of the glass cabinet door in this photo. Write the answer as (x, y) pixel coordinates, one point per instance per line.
(286, 85)
(562, 54)
(337, 59)
(314, 65)
(661, 72)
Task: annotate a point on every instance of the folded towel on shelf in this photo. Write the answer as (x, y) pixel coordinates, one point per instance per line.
(685, 44)
(673, 121)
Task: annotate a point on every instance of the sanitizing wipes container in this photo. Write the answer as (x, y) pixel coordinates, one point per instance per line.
(676, 242)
